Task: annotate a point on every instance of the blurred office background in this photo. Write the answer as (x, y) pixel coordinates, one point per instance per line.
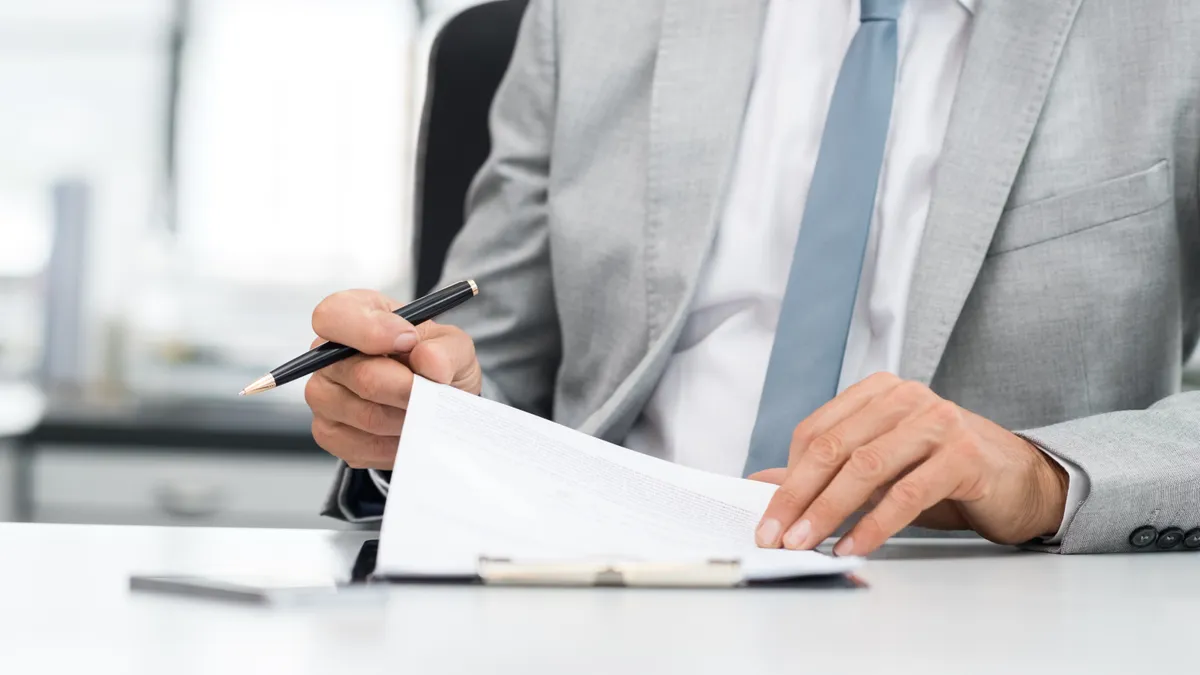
(180, 182)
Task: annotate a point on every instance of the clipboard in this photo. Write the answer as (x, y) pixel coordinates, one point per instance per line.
(714, 573)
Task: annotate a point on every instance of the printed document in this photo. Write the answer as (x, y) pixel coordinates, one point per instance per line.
(475, 478)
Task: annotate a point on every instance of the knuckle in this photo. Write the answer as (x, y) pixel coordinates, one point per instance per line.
(826, 451)
(378, 337)
(868, 462)
(801, 436)
(384, 451)
(870, 523)
(468, 350)
(381, 421)
(322, 433)
(872, 527)
(312, 395)
(822, 510)
(945, 413)
(370, 418)
(967, 452)
(368, 383)
(908, 494)
(787, 498)
(881, 377)
(910, 392)
(323, 313)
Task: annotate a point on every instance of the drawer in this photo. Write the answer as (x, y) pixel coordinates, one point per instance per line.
(167, 487)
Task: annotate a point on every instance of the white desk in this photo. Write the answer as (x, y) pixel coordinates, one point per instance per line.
(940, 607)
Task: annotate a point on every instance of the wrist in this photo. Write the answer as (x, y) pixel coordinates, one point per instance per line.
(1053, 482)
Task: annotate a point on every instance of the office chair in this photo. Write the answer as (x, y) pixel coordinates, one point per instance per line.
(467, 59)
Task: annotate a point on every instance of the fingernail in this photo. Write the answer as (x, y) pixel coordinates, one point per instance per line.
(405, 341)
(796, 536)
(844, 547)
(767, 535)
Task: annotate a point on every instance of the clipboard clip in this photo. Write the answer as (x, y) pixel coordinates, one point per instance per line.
(701, 574)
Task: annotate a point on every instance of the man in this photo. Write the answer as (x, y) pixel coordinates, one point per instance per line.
(706, 223)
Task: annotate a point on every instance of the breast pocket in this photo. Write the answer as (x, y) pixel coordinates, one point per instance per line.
(1079, 210)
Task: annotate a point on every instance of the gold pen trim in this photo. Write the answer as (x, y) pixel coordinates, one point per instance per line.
(264, 383)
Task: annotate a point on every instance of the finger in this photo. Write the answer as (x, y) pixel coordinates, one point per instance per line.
(337, 403)
(881, 414)
(935, 480)
(883, 403)
(843, 406)
(373, 378)
(772, 476)
(357, 448)
(445, 354)
(869, 468)
(363, 320)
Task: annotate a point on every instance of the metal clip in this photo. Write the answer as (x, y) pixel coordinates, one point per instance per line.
(708, 574)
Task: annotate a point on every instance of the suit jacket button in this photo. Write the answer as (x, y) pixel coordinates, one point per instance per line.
(1170, 538)
(1143, 536)
(1192, 539)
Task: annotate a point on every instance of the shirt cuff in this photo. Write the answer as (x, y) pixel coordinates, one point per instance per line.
(381, 479)
(1078, 487)
(353, 497)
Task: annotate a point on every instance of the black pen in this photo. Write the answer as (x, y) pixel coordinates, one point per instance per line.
(415, 312)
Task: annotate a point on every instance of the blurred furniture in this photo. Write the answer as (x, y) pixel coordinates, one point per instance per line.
(467, 59)
(931, 608)
(21, 408)
(66, 275)
(175, 462)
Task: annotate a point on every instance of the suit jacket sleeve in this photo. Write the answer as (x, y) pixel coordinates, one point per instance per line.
(1143, 467)
(505, 247)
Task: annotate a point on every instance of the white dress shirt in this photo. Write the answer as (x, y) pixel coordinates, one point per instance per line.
(704, 408)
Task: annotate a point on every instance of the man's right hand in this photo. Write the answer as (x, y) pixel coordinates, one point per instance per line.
(358, 404)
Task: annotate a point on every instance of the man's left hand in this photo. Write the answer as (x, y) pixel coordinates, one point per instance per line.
(915, 458)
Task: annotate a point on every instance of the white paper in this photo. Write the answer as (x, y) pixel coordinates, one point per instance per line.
(477, 478)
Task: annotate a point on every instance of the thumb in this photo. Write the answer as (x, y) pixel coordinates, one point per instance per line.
(363, 320)
(446, 355)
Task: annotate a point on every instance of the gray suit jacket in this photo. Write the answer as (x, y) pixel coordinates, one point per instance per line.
(1058, 285)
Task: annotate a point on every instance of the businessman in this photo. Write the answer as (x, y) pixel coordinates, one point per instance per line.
(932, 261)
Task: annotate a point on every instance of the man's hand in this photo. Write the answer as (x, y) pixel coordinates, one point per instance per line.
(358, 404)
(917, 459)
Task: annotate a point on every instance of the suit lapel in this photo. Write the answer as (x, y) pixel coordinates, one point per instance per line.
(1011, 59)
(704, 69)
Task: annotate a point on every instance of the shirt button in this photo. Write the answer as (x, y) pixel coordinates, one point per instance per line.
(1143, 536)
(1192, 539)
(1169, 538)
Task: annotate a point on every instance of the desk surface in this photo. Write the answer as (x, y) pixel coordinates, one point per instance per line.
(933, 607)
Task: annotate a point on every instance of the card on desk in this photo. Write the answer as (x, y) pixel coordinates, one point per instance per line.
(484, 491)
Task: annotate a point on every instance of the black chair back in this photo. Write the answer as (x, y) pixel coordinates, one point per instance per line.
(468, 58)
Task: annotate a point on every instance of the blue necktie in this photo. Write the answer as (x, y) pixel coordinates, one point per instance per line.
(810, 340)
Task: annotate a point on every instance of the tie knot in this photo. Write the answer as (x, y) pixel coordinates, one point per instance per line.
(881, 10)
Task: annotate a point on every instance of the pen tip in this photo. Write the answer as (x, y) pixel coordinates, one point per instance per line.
(474, 287)
(260, 385)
